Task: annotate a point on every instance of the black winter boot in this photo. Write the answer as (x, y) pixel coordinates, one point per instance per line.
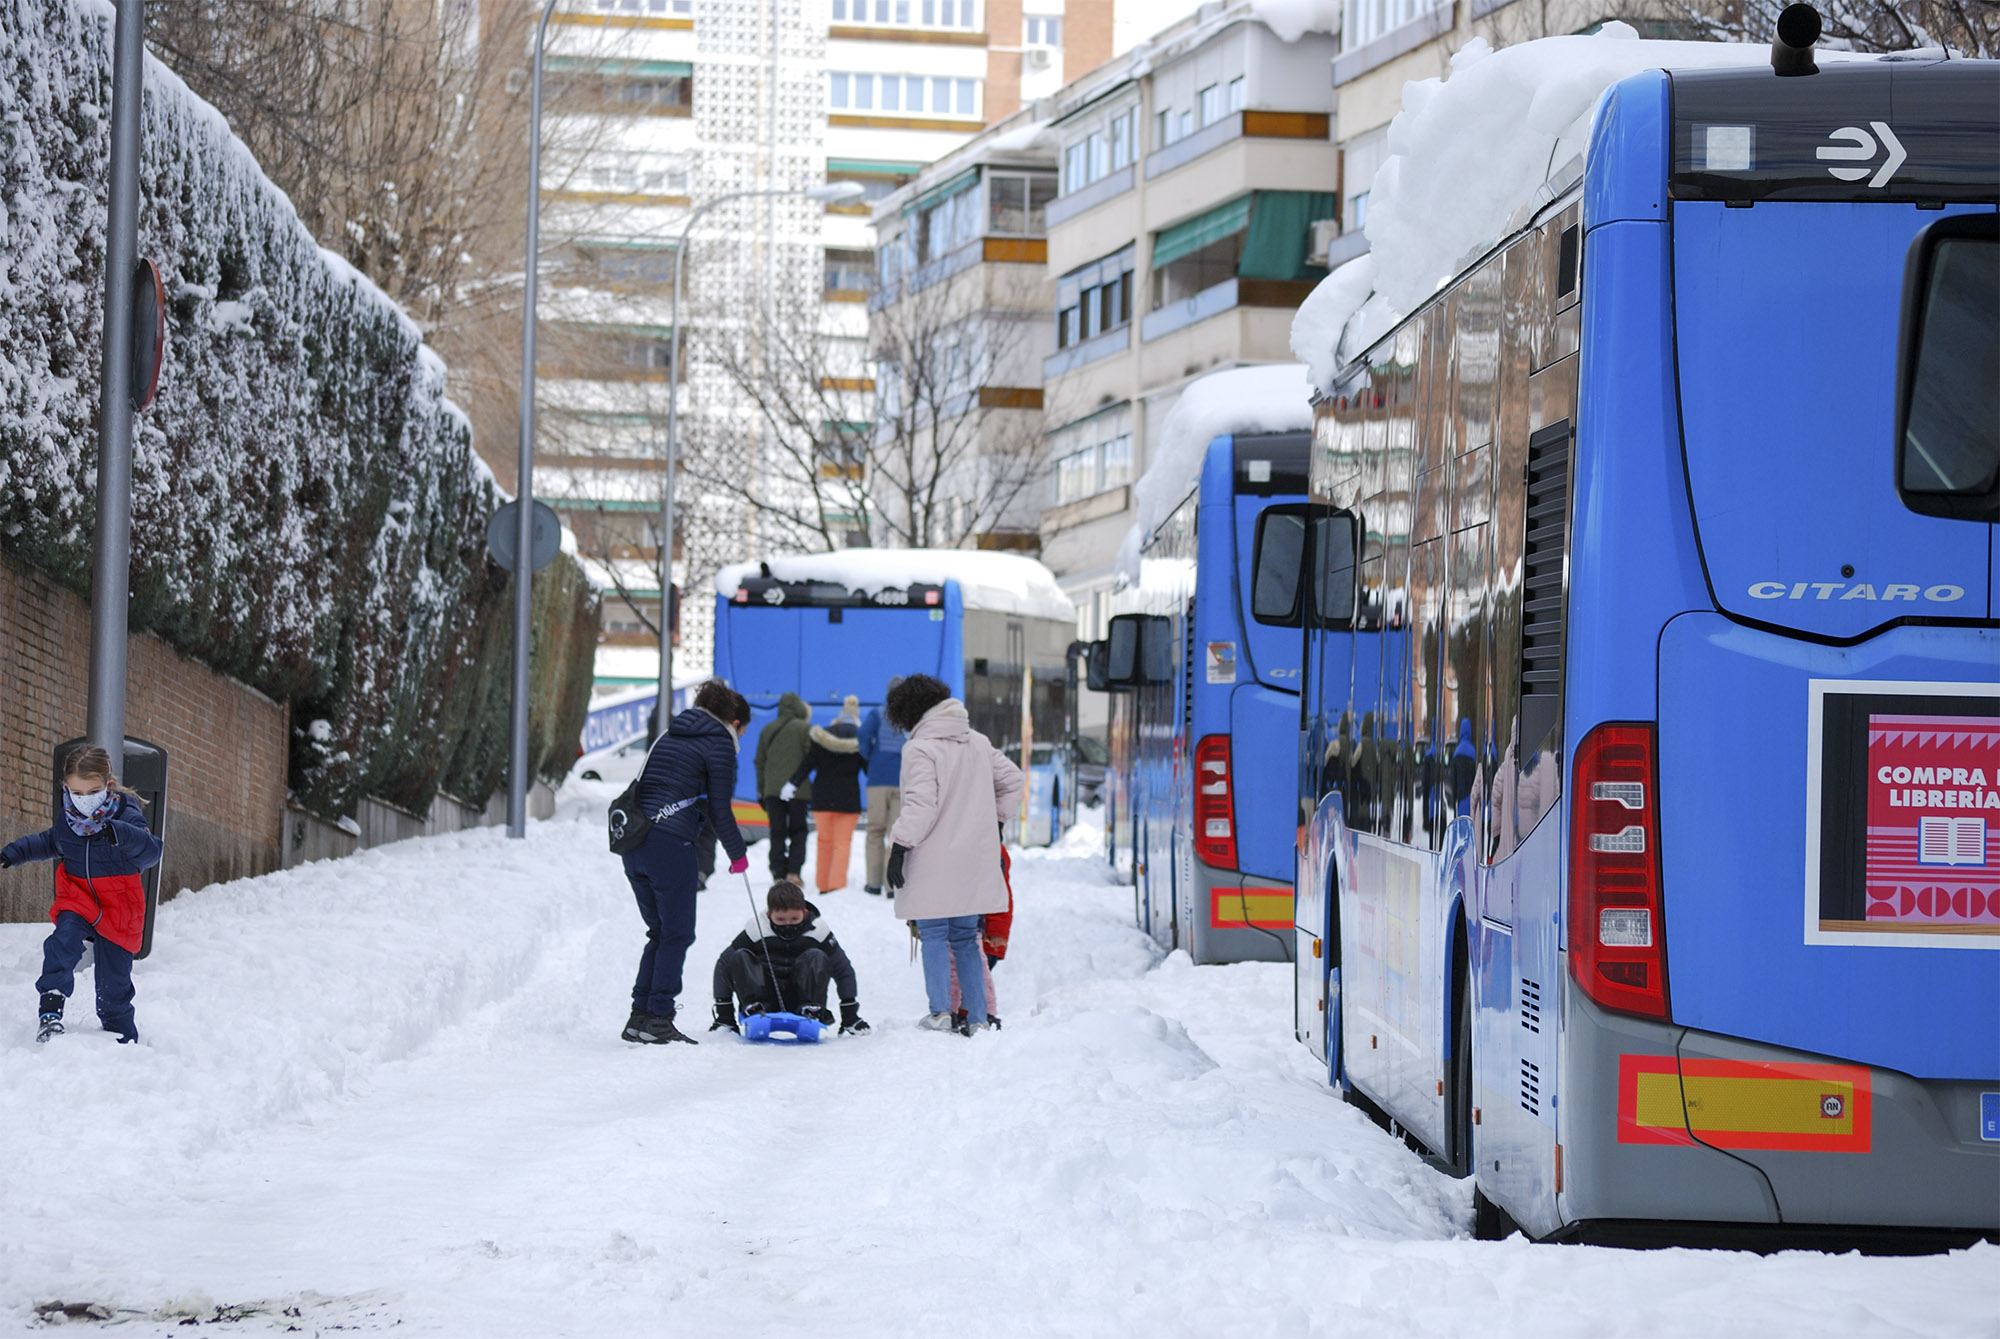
(51, 1012)
(652, 1029)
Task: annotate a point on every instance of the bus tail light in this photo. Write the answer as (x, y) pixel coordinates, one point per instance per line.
(1214, 803)
(1617, 940)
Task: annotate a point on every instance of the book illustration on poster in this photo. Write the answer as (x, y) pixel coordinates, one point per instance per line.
(1907, 802)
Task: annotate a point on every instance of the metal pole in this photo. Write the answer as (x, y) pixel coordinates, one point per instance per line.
(524, 484)
(111, 567)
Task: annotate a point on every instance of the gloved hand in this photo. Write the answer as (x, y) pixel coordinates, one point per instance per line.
(992, 961)
(5, 863)
(894, 876)
(725, 1016)
(740, 865)
(786, 791)
(851, 1019)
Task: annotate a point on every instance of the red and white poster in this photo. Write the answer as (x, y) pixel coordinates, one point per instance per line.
(1933, 852)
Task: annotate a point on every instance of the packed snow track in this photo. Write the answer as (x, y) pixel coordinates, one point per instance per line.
(387, 1093)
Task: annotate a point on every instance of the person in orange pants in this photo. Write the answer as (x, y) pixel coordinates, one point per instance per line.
(833, 765)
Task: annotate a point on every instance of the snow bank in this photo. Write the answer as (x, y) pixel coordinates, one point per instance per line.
(1293, 19)
(1465, 154)
(1275, 397)
(1002, 582)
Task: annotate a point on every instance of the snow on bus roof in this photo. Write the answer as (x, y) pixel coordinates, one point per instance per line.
(1466, 154)
(1274, 397)
(1005, 583)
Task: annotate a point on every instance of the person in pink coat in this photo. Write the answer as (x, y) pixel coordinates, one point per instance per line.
(944, 860)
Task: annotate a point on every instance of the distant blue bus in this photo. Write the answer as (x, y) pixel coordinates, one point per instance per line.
(1203, 659)
(1651, 872)
(993, 627)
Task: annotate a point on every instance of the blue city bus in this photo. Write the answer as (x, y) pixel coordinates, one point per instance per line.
(1000, 645)
(1653, 880)
(1203, 657)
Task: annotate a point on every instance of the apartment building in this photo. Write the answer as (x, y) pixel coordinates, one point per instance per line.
(959, 332)
(664, 105)
(1384, 44)
(1191, 174)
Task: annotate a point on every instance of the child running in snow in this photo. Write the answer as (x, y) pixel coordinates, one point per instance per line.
(100, 846)
(790, 943)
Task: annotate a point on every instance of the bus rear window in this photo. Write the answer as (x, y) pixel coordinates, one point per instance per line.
(1949, 452)
(1277, 566)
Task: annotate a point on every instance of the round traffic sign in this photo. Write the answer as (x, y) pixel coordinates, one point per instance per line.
(545, 536)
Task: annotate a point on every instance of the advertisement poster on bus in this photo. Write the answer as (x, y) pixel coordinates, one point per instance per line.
(1907, 815)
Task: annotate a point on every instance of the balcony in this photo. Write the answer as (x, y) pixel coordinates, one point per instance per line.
(1066, 207)
(1106, 345)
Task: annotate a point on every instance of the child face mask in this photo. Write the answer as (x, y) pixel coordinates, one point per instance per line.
(88, 803)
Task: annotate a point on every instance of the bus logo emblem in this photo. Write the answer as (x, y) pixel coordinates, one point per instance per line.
(1852, 144)
(1832, 1106)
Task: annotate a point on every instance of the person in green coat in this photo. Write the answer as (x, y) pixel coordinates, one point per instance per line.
(781, 747)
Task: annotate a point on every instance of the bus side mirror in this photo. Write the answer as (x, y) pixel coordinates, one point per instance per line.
(1121, 652)
(1097, 667)
(1948, 371)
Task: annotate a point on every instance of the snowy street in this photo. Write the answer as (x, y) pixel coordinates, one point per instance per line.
(387, 1092)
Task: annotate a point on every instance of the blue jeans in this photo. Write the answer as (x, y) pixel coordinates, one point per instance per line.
(664, 876)
(946, 938)
(61, 952)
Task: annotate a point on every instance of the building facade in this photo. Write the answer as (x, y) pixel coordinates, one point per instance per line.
(1192, 174)
(665, 106)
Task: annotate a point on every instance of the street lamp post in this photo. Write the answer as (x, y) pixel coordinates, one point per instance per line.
(524, 483)
(831, 193)
(111, 560)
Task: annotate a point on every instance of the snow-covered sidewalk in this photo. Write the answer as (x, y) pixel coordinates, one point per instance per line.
(387, 1092)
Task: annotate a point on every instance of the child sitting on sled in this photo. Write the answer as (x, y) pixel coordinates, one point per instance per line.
(781, 963)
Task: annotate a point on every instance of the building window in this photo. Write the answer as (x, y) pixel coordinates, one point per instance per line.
(906, 94)
(1100, 152)
(905, 13)
(1362, 21)
(1015, 203)
(635, 174)
(1041, 30)
(1093, 455)
(1236, 94)
(629, 267)
(1123, 139)
(1210, 102)
(1187, 275)
(947, 225)
(1174, 126)
(683, 8)
(849, 271)
(1094, 299)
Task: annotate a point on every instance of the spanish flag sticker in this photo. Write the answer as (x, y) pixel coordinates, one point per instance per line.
(1743, 1104)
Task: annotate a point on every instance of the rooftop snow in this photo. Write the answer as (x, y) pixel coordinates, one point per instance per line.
(1293, 19)
(1003, 583)
(1272, 398)
(1465, 154)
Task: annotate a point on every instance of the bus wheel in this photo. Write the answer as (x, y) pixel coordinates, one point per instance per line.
(1490, 1222)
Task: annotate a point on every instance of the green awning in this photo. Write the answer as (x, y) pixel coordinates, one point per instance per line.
(631, 69)
(1277, 244)
(1170, 244)
(865, 167)
(964, 181)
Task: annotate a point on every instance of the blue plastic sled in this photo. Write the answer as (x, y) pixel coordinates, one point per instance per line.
(784, 1029)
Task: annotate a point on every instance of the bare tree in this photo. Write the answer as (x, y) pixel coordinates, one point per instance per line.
(1965, 27)
(927, 433)
(398, 128)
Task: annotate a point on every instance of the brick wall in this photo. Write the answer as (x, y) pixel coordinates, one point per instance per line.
(226, 744)
(1003, 68)
(1086, 36)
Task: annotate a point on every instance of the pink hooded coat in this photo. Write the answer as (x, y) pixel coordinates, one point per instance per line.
(957, 790)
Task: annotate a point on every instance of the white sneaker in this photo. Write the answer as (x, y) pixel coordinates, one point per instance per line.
(938, 1023)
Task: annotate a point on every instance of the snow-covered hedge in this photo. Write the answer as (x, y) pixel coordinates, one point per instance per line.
(308, 513)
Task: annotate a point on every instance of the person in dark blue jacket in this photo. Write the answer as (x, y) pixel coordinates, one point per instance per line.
(689, 777)
(882, 758)
(100, 846)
